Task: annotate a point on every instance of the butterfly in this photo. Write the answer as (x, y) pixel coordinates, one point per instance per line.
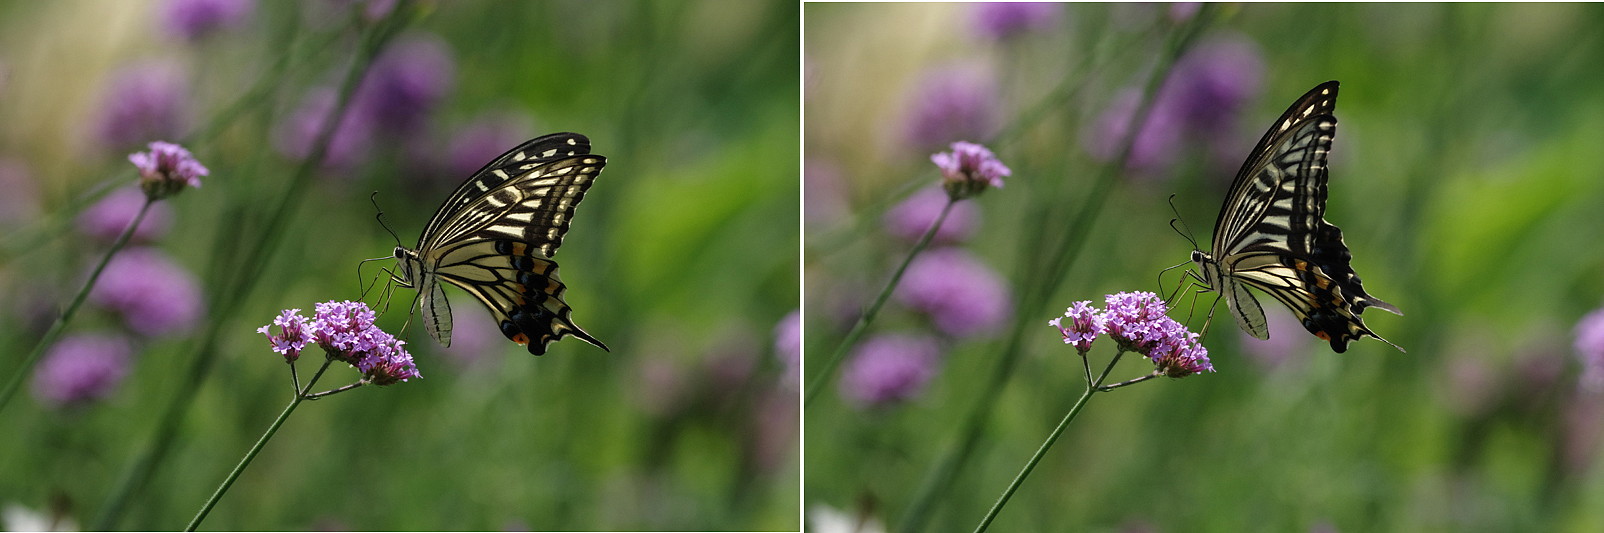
(1272, 235)
(495, 238)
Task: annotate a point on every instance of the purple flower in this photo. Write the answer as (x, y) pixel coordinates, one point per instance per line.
(1085, 324)
(485, 138)
(109, 217)
(352, 137)
(193, 19)
(1184, 11)
(1590, 348)
(406, 83)
(968, 169)
(1136, 321)
(1001, 20)
(1200, 99)
(961, 295)
(154, 295)
(1271, 353)
(788, 346)
(166, 169)
(20, 203)
(952, 103)
(824, 202)
(294, 334)
(346, 332)
(890, 368)
(910, 219)
(473, 336)
(80, 369)
(144, 101)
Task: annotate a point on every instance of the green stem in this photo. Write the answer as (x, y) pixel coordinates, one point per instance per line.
(1092, 387)
(823, 378)
(1044, 279)
(60, 325)
(1031, 465)
(246, 461)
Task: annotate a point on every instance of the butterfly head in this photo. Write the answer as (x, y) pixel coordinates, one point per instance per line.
(404, 259)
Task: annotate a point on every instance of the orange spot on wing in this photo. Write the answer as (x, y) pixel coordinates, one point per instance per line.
(520, 339)
(1323, 336)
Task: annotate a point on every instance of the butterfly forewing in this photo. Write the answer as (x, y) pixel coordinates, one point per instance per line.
(496, 235)
(1272, 235)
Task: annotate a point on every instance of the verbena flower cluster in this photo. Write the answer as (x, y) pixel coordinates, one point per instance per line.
(1138, 323)
(345, 331)
(968, 169)
(166, 169)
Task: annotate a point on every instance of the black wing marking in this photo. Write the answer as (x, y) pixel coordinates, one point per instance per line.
(515, 163)
(521, 290)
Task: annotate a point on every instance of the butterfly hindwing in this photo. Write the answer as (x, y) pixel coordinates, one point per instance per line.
(1272, 234)
(495, 238)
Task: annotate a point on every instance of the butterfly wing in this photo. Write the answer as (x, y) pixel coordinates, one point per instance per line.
(1272, 234)
(495, 237)
(436, 310)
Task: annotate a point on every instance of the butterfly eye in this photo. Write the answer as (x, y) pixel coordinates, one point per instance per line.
(1197, 256)
(400, 253)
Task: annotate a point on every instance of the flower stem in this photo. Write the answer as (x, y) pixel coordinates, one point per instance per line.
(823, 378)
(246, 461)
(1092, 387)
(1040, 452)
(66, 316)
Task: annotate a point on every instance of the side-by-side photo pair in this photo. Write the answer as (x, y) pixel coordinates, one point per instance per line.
(835, 267)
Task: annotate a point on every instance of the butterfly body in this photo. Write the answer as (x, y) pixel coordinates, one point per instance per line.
(1272, 235)
(495, 238)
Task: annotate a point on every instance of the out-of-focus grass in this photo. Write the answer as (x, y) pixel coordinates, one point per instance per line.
(1464, 176)
(682, 259)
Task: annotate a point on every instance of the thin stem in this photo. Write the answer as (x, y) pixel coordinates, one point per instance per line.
(1044, 282)
(1129, 382)
(66, 316)
(1040, 452)
(823, 378)
(246, 461)
(335, 391)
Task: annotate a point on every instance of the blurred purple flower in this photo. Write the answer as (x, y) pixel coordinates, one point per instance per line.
(969, 169)
(154, 295)
(1201, 99)
(80, 369)
(1184, 11)
(910, 219)
(822, 199)
(405, 84)
(193, 19)
(143, 101)
(1590, 348)
(20, 203)
(1472, 386)
(788, 346)
(167, 169)
(1001, 20)
(963, 296)
(1285, 340)
(952, 103)
(486, 137)
(890, 368)
(109, 217)
(293, 336)
(1085, 324)
(662, 388)
(775, 429)
(352, 137)
(474, 335)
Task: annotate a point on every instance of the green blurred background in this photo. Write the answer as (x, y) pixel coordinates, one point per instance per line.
(682, 258)
(1465, 176)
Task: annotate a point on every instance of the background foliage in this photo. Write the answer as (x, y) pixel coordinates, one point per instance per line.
(1464, 176)
(682, 260)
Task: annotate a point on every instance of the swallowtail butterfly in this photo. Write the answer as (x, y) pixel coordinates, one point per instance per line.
(495, 238)
(1272, 234)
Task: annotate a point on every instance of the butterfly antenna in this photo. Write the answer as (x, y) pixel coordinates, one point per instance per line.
(1187, 234)
(374, 198)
